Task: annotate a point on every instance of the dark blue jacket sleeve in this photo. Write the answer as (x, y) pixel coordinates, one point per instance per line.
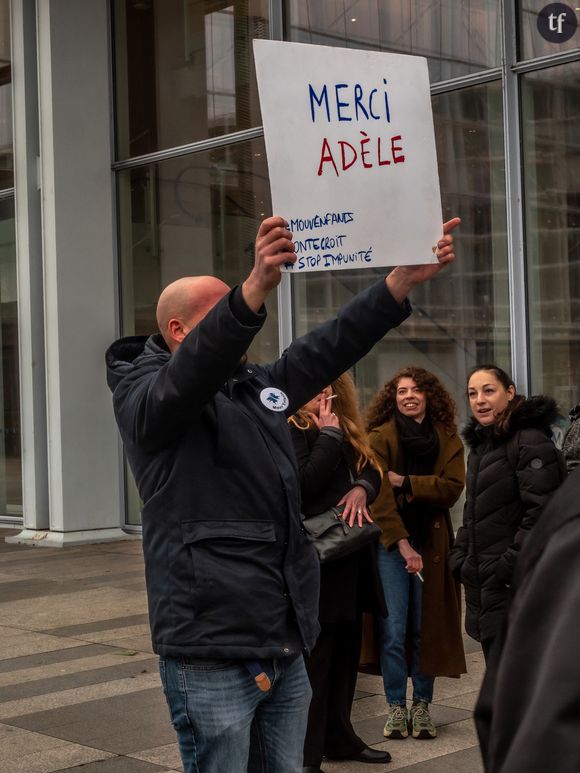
(311, 362)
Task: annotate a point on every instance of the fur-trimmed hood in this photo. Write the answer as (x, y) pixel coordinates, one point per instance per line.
(538, 412)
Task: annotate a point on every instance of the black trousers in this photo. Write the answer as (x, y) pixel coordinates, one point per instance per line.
(486, 646)
(332, 668)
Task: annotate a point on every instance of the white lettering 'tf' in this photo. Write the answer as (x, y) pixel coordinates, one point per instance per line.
(559, 19)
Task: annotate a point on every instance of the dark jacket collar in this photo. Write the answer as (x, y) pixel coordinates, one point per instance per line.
(129, 353)
(534, 412)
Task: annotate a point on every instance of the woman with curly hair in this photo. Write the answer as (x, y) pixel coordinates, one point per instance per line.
(512, 470)
(413, 433)
(338, 468)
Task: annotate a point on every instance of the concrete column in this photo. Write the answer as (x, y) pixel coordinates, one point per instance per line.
(29, 267)
(79, 275)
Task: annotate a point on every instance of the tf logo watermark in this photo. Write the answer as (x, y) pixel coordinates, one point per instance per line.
(557, 22)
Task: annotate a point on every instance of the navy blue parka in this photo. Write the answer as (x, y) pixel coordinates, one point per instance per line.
(230, 571)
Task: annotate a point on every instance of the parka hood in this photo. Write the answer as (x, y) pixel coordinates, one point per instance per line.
(126, 353)
(538, 412)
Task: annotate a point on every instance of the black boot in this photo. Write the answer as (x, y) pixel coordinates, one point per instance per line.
(372, 755)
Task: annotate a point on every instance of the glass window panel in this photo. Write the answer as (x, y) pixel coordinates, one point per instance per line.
(457, 36)
(6, 150)
(184, 70)
(193, 215)
(461, 318)
(532, 43)
(551, 116)
(10, 449)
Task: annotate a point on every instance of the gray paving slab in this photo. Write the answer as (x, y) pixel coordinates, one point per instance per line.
(465, 701)
(125, 621)
(117, 636)
(29, 589)
(76, 651)
(371, 706)
(133, 585)
(120, 724)
(470, 682)
(464, 761)
(37, 753)
(79, 695)
(140, 643)
(358, 694)
(77, 679)
(167, 755)
(129, 546)
(26, 556)
(62, 566)
(117, 765)
(78, 605)
(470, 645)
(15, 642)
(19, 590)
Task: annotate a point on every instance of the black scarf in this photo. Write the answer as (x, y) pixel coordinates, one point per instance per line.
(417, 453)
(418, 445)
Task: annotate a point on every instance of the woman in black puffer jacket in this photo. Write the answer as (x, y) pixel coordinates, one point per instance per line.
(512, 470)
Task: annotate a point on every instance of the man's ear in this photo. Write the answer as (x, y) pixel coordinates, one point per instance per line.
(176, 330)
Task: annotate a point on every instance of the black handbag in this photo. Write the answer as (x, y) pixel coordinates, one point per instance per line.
(333, 538)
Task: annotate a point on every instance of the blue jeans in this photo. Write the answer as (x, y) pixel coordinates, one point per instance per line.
(403, 594)
(225, 723)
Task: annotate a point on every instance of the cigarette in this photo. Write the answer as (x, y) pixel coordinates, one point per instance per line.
(331, 397)
(420, 576)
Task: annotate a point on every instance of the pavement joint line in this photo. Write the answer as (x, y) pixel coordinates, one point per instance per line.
(83, 667)
(76, 696)
(127, 621)
(82, 643)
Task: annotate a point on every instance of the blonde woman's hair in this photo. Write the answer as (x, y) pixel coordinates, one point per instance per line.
(345, 406)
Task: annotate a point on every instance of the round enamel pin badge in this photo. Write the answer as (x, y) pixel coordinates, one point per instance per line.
(274, 399)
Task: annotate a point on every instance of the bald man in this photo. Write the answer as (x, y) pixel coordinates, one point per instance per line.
(232, 579)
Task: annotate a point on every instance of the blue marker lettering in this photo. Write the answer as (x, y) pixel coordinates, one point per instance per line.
(358, 93)
(319, 101)
(340, 104)
(387, 111)
(371, 111)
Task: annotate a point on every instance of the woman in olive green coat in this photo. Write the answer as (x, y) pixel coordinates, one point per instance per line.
(413, 433)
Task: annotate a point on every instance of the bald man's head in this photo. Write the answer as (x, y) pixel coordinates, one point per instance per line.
(184, 303)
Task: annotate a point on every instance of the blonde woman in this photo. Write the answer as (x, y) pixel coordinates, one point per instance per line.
(337, 467)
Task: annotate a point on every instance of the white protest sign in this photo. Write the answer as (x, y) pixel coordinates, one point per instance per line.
(351, 154)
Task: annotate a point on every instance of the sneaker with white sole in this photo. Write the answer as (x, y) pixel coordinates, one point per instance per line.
(420, 721)
(396, 725)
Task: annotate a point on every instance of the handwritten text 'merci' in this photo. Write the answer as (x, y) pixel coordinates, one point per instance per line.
(347, 103)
